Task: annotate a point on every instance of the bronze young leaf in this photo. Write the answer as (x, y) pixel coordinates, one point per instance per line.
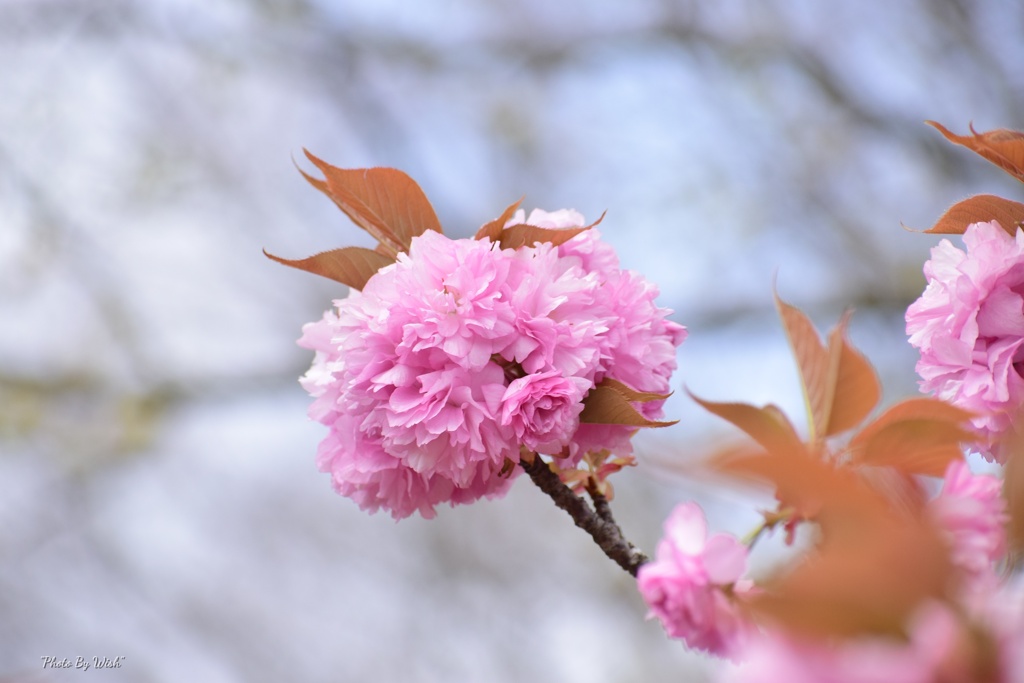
(351, 266)
(610, 403)
(523, 234)
(981, 208)
(385, 202)
(767, 425)
(839, 385)
(916, 436)
(1003, 147)
(492, 229)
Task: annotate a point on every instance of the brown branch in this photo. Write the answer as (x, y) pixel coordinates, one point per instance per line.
(601, 527)
(601, 506)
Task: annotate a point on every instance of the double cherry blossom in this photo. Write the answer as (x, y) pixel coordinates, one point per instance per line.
(460, 352)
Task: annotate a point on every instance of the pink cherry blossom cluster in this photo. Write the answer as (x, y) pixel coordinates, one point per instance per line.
(969, 327)
(697, 586)
(454, 357)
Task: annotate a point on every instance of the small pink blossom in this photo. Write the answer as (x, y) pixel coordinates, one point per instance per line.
(694, 582)
(969, 327)
(971, 510)
(543, 409)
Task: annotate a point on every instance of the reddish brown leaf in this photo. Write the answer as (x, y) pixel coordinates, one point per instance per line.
(515, 236)
(916, 436)
(524, 235)
(1004, 148)
(867, 581)
(492, 229)
(853, 383)
(919, 408)
(605, 404)
(904, 492)
(980, 208)
(803, 482)
(768, 426)
(795, 478)
(351, 266)
(385, 202)
(813, 363)
(315, 182)
(877, 559)
(839, 385)
(632, 394)
(1013, 490)
(915, 447)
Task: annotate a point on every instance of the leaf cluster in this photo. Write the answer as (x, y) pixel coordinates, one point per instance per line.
(1005, 149)
(879, 556)
(393, 208)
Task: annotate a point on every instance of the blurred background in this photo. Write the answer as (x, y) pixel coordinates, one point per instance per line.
(159, 500)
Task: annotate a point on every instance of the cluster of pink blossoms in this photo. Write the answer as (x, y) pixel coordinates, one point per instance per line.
(969, 327)
(452, 358)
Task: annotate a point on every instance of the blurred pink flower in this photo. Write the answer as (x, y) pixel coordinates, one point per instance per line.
(1003, 615)
(776, 659)
(972, 512)
(969, 327)
(777, 656)
(448, 360)
(981, 642)
(693, 584)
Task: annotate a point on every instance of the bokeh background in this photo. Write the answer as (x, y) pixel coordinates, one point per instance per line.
(159, 500)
